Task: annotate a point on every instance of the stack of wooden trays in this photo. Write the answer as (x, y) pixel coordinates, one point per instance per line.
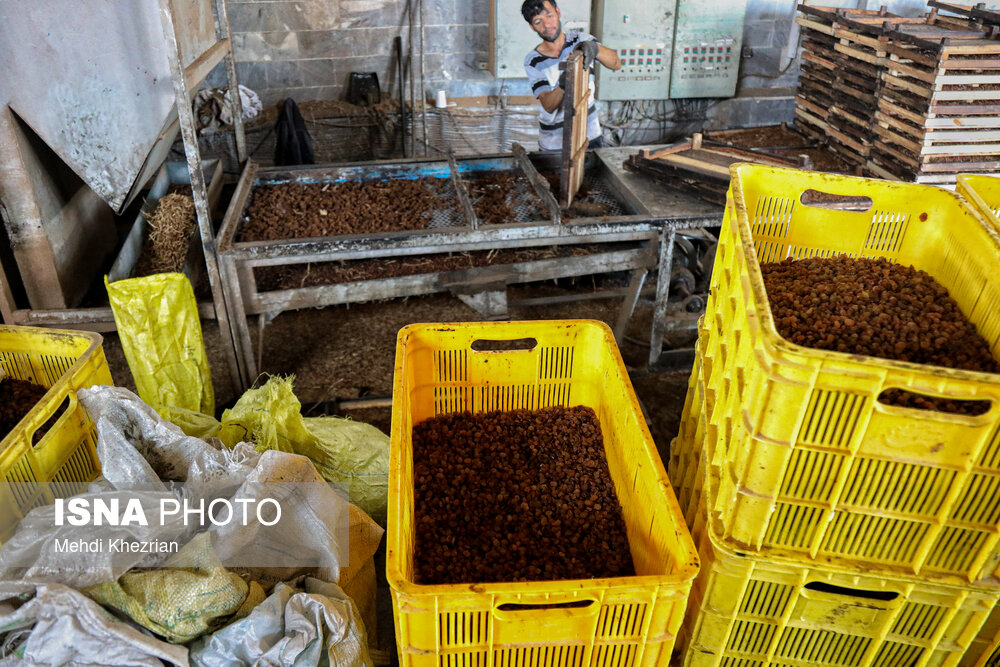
(939, 106)
(817, 74)
(854, 62)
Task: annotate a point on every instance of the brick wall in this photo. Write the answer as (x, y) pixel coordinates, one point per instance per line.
(307, 49)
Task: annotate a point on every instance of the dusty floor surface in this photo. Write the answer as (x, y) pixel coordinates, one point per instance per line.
(347, 352)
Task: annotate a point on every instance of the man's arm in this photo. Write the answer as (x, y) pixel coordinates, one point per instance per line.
(608, 57)
(551, 99)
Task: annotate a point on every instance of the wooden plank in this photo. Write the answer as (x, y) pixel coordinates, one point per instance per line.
(867, 85)
(903, 51)
(815, 25)
(868, 99)
(879, 171)
(825, 63)
(932, 137)
(851, 37)
(892, 136)
(849, 115)
(960, 167)
(574, 148)
(822, 112)
(971, 122)
(960, 109)
(976, 94)
(802, 114)
(968, 79)
(888, 108)
(674, 148)
(905, 84)
(699, 166)
(961, 150)
(196, 72)
(870, 58)
(899, 157)
(893, 65)
(958, 64)
(850, 142)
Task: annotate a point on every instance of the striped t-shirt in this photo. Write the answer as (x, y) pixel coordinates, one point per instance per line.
(543, 76)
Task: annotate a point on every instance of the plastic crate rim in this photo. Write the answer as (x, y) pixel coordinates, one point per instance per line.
(96, 341)
(687, 567)
(774, 341)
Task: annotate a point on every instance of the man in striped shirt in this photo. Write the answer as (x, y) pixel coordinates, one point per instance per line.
(547, 82)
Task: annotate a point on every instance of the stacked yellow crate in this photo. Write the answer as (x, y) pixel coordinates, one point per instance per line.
(835, 529)
(611, 622)
(34, 471)
(983, 193)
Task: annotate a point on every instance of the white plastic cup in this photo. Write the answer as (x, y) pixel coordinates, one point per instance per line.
(441, 101)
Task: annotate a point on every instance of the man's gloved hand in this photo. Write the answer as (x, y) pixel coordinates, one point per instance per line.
(562, 80)
(590, 49)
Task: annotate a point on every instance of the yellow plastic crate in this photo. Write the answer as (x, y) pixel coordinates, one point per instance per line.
(630, 621)
(810, 460)
(983, 192)
(685, 471)
(65, 459)
(752, 611)
(985, 648)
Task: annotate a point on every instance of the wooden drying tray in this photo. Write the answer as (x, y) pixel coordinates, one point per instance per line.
(975, 12)
(701, 165)
(574, 145)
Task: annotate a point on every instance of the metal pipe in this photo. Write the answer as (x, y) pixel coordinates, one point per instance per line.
(463, 194)
(409, 63)
(541, 189)
(235, 98)
(423, 91)
(397, 43)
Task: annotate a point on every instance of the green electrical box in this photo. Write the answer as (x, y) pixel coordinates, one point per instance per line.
(707, 43)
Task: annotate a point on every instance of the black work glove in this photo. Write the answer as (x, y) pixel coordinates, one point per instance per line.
(562, 80)
(590, 49)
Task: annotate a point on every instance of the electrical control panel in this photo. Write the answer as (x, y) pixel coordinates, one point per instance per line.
(511, 38)
(706, 48)
(642, 34)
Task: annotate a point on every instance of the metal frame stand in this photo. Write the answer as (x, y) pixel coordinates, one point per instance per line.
(186, 81)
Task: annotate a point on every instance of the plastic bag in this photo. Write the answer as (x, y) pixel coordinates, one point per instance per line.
(315, 626)
(181, 603)
(351, 454)
(138, 451)
(51, 624)
(157, 321)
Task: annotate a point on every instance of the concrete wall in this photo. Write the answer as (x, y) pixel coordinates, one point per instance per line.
(306, 49)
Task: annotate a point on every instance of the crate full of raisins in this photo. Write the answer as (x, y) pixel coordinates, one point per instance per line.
(530, 518)
(853, 327)
(49, 447)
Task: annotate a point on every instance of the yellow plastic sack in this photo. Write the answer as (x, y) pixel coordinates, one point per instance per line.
(157, 320)
(351, 454)
(180, 604)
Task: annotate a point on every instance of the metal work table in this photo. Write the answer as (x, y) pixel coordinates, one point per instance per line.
(645, 216)
(657, 200)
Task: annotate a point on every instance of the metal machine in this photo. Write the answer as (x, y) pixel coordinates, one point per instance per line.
(643, 35)
(707, 43)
